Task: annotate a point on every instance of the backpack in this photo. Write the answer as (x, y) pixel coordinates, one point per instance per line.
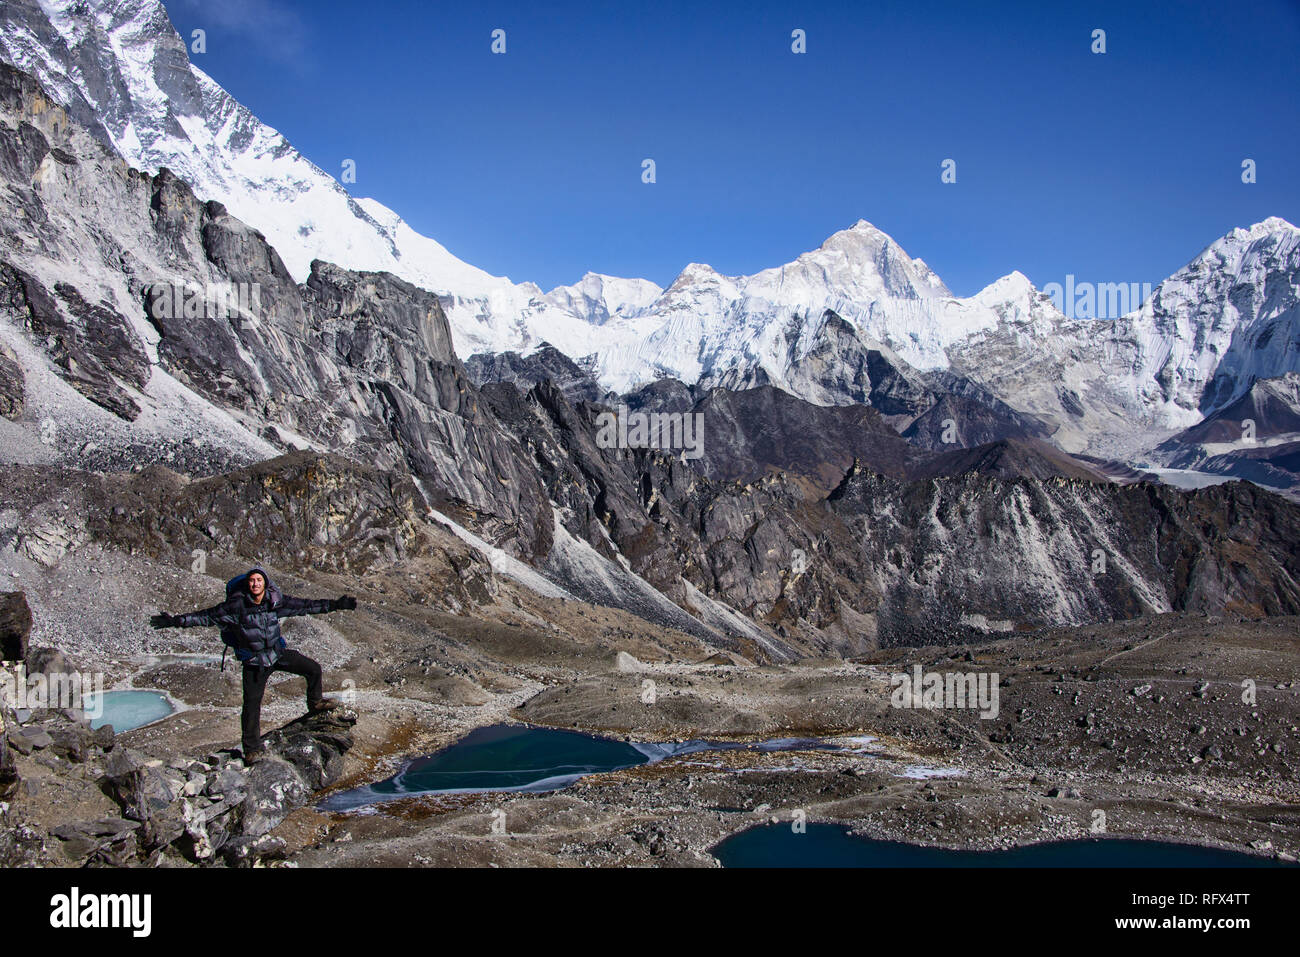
(230, 633)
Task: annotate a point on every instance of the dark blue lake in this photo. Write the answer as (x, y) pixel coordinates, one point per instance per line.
(831, 845)
(516, 757)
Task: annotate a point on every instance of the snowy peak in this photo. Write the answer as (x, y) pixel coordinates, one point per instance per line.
(693, 273)
(864, 256)
(1016, 289)
(1273, 226)
(597, 298)
(1265, 243)
(89, 57)
(122, 71)
(1225, 319)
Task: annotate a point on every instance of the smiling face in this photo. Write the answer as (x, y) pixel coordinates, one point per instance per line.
(256, 586)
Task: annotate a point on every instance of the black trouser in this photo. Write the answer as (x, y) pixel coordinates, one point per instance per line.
(255, 677)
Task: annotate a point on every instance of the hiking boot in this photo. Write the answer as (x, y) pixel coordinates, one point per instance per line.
(325, 704)
(252, 757)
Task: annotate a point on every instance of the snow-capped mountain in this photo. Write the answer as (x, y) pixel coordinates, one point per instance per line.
(709, 325)
(124, 73)
(812, 327)
(597, 299)
(1227, 318)
(1115, 386)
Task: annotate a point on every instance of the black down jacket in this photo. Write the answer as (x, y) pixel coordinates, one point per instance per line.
(253, 628)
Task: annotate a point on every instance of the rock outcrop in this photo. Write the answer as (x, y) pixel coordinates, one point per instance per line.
(204, 810)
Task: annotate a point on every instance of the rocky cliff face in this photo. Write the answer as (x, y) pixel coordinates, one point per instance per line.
(526, 371)
(1015, 555)
(354, 362)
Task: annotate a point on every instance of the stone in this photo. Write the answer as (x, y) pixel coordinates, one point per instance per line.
(108, 841)
(228, 780)
(103, 737)
(314, 745)
(248, 851)
(33, 738)
(123, 761)
(104, 827)
(137, 786)
(46, 661)
(162, 826)
(274, 789)
(15, 626)
(197, 844)
(72, 743)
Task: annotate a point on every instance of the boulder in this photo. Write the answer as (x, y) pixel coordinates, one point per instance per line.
(73, 743)
(103, 737)
(15, 626)
(248, 851)
(227, 781)
(315, 745)
(274, 789)
(29, 739)
(108, 841)
(136, 785)
(48, 661)
(162, 826)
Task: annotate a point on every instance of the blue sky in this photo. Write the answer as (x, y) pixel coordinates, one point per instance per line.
(1115, 167)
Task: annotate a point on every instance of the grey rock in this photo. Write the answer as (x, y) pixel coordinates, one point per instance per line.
(73, 743)
(227, 781)
(274, 789)
(138, 787)
(48, 661)
(11, 387)
(30, 738)
(103, 737)
(246, 851)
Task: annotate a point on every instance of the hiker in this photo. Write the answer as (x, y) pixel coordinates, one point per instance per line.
(250, 623)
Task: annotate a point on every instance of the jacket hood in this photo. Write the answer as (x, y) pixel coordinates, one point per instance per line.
(273, 594)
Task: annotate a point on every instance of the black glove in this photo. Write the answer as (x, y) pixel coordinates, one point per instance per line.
(345, 603)
(165, 621)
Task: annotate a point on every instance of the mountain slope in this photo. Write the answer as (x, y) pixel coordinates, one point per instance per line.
(825, 327)
(124, 75)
